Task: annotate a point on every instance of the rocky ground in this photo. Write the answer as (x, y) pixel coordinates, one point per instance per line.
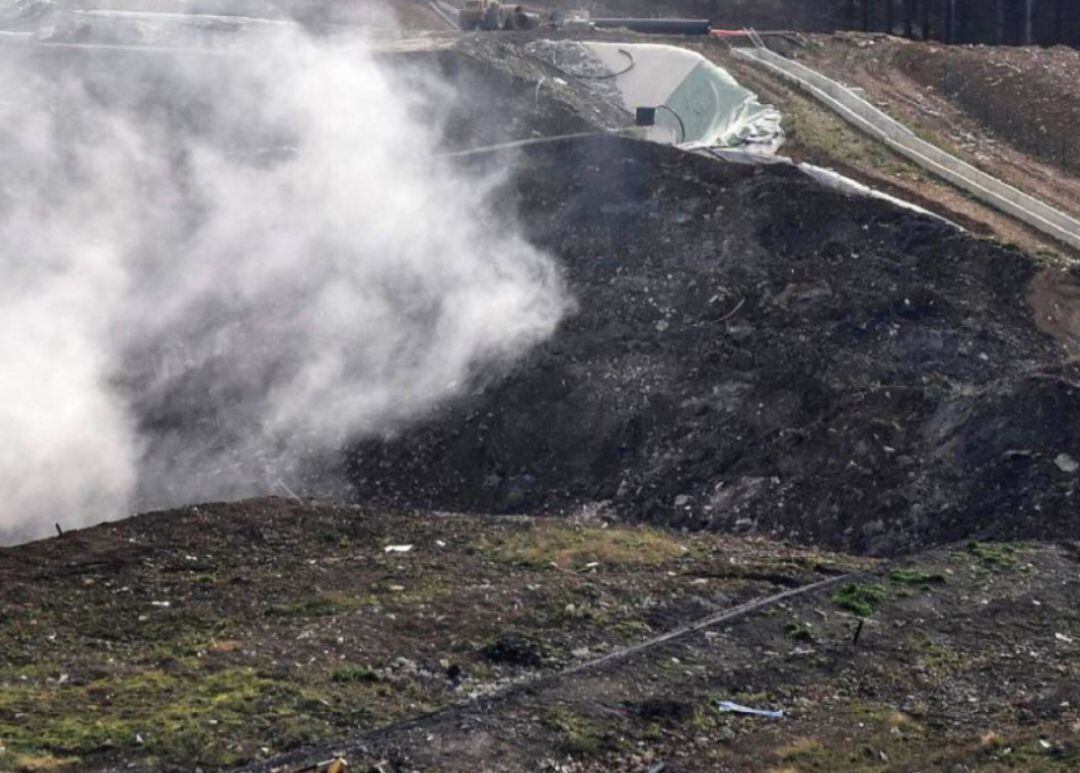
(223, 635)
(933, 679)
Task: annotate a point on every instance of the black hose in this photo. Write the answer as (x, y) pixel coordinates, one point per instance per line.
(609, 75)
(657, 26)
(682, 126)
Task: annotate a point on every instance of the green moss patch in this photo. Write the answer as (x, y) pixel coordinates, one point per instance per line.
(995, 555)
(863, 600)
(568, 546)
(580, 735)
(916, 577)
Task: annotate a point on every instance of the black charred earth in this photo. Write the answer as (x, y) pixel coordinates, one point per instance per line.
(752, 352)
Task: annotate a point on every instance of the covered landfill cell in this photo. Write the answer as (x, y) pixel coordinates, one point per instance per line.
(704, 104)
(697, 103)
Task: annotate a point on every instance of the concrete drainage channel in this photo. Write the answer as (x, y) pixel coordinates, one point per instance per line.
(867, 118)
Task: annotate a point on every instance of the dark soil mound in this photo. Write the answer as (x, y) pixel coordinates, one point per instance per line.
(981, 79)
(753, 352)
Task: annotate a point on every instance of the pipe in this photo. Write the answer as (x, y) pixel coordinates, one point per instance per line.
(657, 26)
(789, 35)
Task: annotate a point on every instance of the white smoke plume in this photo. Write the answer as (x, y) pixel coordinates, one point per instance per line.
(215, 266)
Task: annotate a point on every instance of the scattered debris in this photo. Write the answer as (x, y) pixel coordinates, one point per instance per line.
(336, 765)
(736, 708)
(1066, 463)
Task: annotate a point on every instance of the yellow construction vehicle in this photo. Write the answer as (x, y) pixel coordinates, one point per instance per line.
(481, 14)
(491, 16)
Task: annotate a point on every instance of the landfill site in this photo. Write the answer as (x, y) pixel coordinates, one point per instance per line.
(597, 386)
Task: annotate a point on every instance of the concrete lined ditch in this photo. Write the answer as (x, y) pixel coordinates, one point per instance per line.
(867, 118)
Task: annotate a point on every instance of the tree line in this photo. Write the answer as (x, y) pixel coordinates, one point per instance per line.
(995, 22)
(1001, 22)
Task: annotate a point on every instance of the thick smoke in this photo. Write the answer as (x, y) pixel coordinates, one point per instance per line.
(218, 266)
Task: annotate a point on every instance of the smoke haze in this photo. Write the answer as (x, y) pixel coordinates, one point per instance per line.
(217, 266)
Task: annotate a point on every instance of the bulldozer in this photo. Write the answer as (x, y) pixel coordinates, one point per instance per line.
(491, 16)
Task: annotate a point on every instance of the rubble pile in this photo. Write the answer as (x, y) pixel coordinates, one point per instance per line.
(753, 352)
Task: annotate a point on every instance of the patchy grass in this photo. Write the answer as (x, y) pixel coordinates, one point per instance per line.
(932, 655)
(995, 555)
(569, 546)
(799, 749)
(861, 599)
(632, 629)
(29, 763)
(916, 577)
(821, 133)
(798, 632)
(578, 734)
(347, 674)
(176, 718)
(322, 605)
(1027, 753)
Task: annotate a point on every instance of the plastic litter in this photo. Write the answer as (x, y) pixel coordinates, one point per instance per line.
(397, 548)
(736, 708)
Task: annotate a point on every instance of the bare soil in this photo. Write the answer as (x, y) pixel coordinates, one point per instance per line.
(1011, 111)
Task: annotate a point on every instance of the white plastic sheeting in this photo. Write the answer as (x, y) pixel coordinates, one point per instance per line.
(701, 102)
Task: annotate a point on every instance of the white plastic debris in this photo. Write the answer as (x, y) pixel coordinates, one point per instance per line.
(737, 708)
(397, 548)
(1066, 463)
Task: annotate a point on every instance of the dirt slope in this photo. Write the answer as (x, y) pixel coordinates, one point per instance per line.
(1011, 111)
(755, 353)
